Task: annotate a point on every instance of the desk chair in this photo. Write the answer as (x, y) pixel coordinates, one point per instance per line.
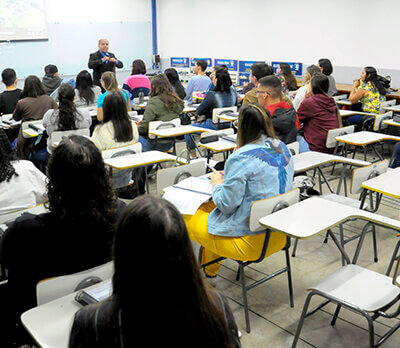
(360, 290)
(386, 104)
(57, 136)
(293, 148)
(220, 111)
(331, 143)
(50, 289)
(258, 210)
(359, 176)
(212, 136)
(36, 127)
(341, 97)
(122, 178)
(176, 122)
(170, 176)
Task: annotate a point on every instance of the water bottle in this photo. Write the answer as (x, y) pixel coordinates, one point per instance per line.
(141, 97)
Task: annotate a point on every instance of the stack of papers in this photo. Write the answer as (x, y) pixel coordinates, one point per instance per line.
(189, 194)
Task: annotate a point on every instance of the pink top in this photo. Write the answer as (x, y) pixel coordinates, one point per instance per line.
(137, 81)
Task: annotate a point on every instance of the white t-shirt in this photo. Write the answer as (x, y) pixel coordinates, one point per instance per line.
(22, 191)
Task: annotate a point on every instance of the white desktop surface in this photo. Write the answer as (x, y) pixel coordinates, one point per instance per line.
(387, 183)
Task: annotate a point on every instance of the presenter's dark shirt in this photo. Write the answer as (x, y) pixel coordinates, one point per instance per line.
(99, 66)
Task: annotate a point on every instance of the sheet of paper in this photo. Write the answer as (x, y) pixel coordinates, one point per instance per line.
(196, 184)
(187, 202)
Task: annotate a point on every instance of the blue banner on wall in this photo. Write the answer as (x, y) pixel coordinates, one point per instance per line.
(245, 65)
(297, 68)
(232, 64)
(208, 60)
(180, 62)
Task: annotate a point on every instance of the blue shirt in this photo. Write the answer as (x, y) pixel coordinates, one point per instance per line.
(100, 100)
(253, 172)
(197, 83)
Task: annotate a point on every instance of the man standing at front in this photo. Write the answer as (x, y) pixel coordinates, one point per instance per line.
(102, 61)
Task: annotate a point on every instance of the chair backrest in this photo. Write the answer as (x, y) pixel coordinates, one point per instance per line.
(170, 176)
(333, 133)
(25, 125)
(378, 125)
(57, 136)
(6, 117)
(219, 111)
(386, 103)
(176, 122)
(293, 147)
(266, 206)
(120, 151)
(341, 97)
(364, 173)
(50, 289)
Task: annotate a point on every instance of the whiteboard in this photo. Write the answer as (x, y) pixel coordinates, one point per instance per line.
(69, 46)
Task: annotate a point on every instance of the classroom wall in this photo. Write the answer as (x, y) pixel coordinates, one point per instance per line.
(352, 34)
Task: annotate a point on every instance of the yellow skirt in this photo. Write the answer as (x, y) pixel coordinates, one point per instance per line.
(245, 248)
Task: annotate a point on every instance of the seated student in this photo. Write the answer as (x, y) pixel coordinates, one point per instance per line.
(396, 157)
(109, 83)
(75, 235)
(223, 95)
(173, 78)
(10, 97)
(199, 82)
(202, 315)
(283, 116)
(116, 129)
(86, 93)
(163, 105)
(32, 106)
(304, 90)
(258, 71)
(326, 67)
(287, 78)
(260, 168)
(212, 76)
(67, 116)
(318, 114)
(138, 81)
(51, 80)
(22, 185)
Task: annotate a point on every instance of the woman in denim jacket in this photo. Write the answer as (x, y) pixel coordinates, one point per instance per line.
(260, 168)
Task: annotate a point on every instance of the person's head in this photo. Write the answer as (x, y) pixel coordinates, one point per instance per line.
(319, 84)
(51, 70)
(9, 77)
(253, 121)
(310, 72)
(326, 66)
(369, 74)
(258, 71)
(138, 67)
(185, 302)
(286, 73)
(172, 75)
(7, 155)
(222, 80)
(200, 66)
(161, 87)
(114, 110)
(66, 107)
(109, 81)
(84, 84)
(33, 87)
(269, 90)
(214, 71)
(79, 187)
(103, 45)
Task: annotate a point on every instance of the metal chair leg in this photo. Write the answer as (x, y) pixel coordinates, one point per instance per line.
(289, 275)
(335, 316)
(296, 241)
(244, 292)
(301, 321)
(394, 258)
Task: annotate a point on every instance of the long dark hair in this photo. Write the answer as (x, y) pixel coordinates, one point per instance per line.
(79, 187)
(66, 107)
(173, 78)
(161, 87)
(224, 81)
(7, 154)
(372, 75)
(114, 110)
(33, 87)
(184, 302)
(287, 74)
(84, 84)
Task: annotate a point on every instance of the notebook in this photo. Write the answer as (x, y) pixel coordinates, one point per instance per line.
(94, 294)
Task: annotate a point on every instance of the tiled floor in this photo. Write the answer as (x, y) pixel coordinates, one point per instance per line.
(274, 322)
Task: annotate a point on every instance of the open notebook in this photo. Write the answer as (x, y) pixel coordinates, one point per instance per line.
(189, 194)
(94, 294)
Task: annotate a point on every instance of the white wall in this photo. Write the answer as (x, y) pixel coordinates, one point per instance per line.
(351, 33)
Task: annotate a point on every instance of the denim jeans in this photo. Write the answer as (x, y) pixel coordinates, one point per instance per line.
(152, 144)
(209, 124)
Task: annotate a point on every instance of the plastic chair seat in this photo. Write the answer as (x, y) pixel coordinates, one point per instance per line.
(354, 285)
(355, 203)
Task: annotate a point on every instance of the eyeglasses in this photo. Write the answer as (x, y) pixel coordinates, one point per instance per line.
(262, 92)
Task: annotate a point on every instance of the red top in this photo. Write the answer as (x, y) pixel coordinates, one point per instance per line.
(284, 105)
